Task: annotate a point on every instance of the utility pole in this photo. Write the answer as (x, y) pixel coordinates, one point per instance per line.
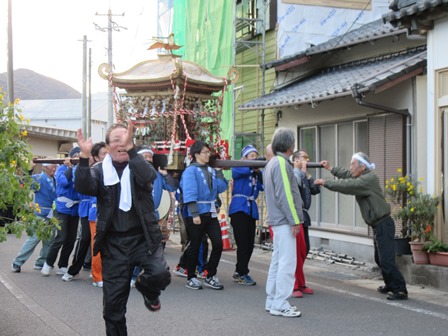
(10, 60)
(111, 25)
(84, 120)
(89, 104)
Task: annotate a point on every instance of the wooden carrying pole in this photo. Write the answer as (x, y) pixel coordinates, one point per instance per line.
(213, 163)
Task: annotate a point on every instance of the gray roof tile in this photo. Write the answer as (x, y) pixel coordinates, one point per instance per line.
(339, 80)
(405, 8)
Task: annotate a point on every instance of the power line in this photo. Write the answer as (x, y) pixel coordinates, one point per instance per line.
(111, 26)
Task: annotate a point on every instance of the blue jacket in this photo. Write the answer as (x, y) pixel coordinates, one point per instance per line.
(92, 209)
(195, 187)
(246, 186)
(65, 191)
(44, 193)
(84, 204)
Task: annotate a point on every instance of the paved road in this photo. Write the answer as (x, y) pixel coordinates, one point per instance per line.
(345, 303)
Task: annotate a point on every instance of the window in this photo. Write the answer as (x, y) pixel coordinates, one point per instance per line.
(335, 143)
(244, 139)
(346, 204)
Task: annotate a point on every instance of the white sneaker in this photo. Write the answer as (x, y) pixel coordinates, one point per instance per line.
(213, 282)
(67, 277)
(288, 312)
(133, 283)
(98, 284)
(268, 309)
(193, 283)
(46, 269)
(62, 270)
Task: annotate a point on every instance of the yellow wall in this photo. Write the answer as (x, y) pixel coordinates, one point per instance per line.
(250, 75)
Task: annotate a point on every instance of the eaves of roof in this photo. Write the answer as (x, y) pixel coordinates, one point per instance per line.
(369, 32)
(373, 74)
(400, 9)
(51, 133)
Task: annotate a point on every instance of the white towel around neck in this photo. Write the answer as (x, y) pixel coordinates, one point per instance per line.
(110, 177)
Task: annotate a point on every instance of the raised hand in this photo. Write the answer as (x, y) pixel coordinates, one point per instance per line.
(129, 137)
(85, 145)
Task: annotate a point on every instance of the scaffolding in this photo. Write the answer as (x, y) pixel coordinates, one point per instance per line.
(249, 25)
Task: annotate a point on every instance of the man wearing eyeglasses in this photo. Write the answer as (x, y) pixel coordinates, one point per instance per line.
(201, 185)
(307, 188)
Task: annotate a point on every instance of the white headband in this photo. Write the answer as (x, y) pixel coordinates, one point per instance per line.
(145, 150)
(370, 166)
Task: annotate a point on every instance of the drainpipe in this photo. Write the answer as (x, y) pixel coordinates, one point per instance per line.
(405, 112)
(358, 97)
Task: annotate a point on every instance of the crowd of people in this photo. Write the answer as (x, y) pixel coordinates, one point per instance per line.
(114, 192)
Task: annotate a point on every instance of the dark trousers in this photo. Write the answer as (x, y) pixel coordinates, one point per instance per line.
(244, 232)
(210, 226)
(120, 255)
(306, 224)
(65, 238)
(202, 255)
(82, 247)
(384, 243)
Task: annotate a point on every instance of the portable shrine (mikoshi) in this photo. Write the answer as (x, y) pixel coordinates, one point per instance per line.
(172, 102)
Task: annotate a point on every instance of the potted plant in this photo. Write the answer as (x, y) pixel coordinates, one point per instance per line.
(416, 211)
(420, 212)
(438, 252)
(397, 191)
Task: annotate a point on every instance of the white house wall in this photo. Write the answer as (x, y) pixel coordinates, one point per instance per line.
(437, 59)
(419, 124)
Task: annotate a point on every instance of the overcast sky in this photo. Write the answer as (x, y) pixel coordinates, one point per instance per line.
(47, 36)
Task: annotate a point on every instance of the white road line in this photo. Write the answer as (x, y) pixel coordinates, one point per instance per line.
(362, 296)
(384, 301)
(44, 315)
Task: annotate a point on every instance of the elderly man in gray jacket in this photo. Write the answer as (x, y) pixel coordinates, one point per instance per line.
(284, 215)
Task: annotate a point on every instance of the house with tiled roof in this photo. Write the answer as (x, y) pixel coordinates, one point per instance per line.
(428, 19)
(362, 91)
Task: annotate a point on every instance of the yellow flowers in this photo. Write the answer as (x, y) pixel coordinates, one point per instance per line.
(15, 182)
(398, 188)
(37, 208)
(415, 209)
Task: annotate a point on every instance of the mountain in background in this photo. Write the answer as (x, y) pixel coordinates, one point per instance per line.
(29, 85)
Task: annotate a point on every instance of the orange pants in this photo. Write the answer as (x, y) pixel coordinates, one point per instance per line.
(97, 273)
(301, 257)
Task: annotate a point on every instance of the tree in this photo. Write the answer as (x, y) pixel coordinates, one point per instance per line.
(15, 181)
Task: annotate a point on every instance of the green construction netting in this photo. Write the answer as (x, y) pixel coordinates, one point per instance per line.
(204, 29)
